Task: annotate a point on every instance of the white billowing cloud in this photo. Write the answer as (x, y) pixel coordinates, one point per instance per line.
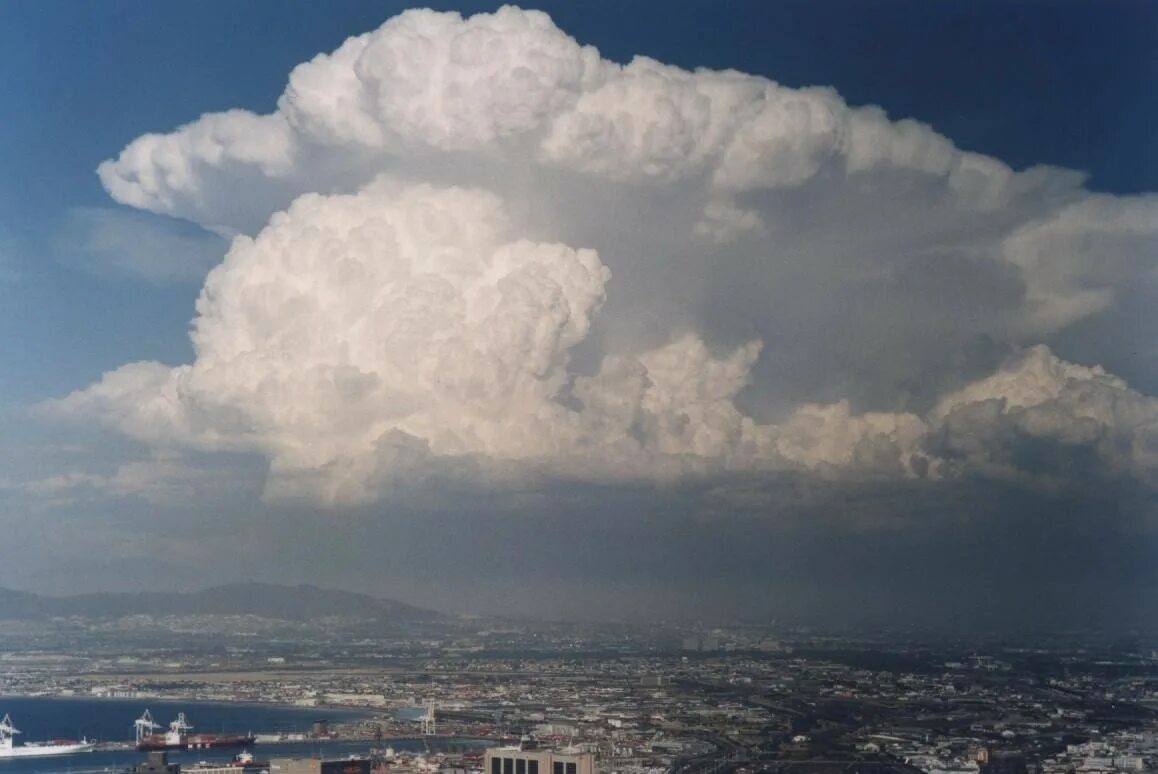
(423, 83)
(648, 121)
(455, 350)
(362, 333)
(831, 438)
(511, 84)
(354, 321)
(478, 248)
(786, 141)
(164, 172)
(438, 80)
(438, 97)
(664, 412)
(1039, 397)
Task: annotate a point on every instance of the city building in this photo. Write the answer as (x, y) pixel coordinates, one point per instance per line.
(157, 763)
(316, 766)
(516, 760)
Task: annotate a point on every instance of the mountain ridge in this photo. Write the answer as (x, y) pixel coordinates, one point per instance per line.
(269, 600)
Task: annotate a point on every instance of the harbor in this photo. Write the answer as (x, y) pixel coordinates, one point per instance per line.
(243, 737)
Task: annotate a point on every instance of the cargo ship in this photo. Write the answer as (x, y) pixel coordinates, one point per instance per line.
(9, 749)
(179, 738)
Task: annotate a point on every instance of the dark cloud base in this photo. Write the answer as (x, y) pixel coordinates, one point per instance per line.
(966, 557)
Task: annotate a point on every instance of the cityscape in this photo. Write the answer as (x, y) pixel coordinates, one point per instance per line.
(639, 698)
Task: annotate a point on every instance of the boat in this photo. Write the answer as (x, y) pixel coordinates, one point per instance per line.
(179, 738)
(242, 763)
(9, 749)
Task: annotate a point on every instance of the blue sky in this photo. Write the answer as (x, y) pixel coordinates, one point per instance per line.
(858, 318)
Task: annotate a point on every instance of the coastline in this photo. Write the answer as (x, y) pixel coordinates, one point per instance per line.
(368, 712)
(338, 715)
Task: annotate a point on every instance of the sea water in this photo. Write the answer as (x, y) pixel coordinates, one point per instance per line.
(111, 720)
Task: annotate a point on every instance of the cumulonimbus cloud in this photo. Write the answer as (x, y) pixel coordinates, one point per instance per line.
(476, 241)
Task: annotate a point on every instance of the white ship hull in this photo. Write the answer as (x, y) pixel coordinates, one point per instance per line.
(34, 750)
(9, 748)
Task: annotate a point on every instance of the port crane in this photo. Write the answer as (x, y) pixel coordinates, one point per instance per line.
(7, 730)
(180, 726)
(145, 726)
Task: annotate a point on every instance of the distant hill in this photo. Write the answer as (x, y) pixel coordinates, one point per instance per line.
(292, 603)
